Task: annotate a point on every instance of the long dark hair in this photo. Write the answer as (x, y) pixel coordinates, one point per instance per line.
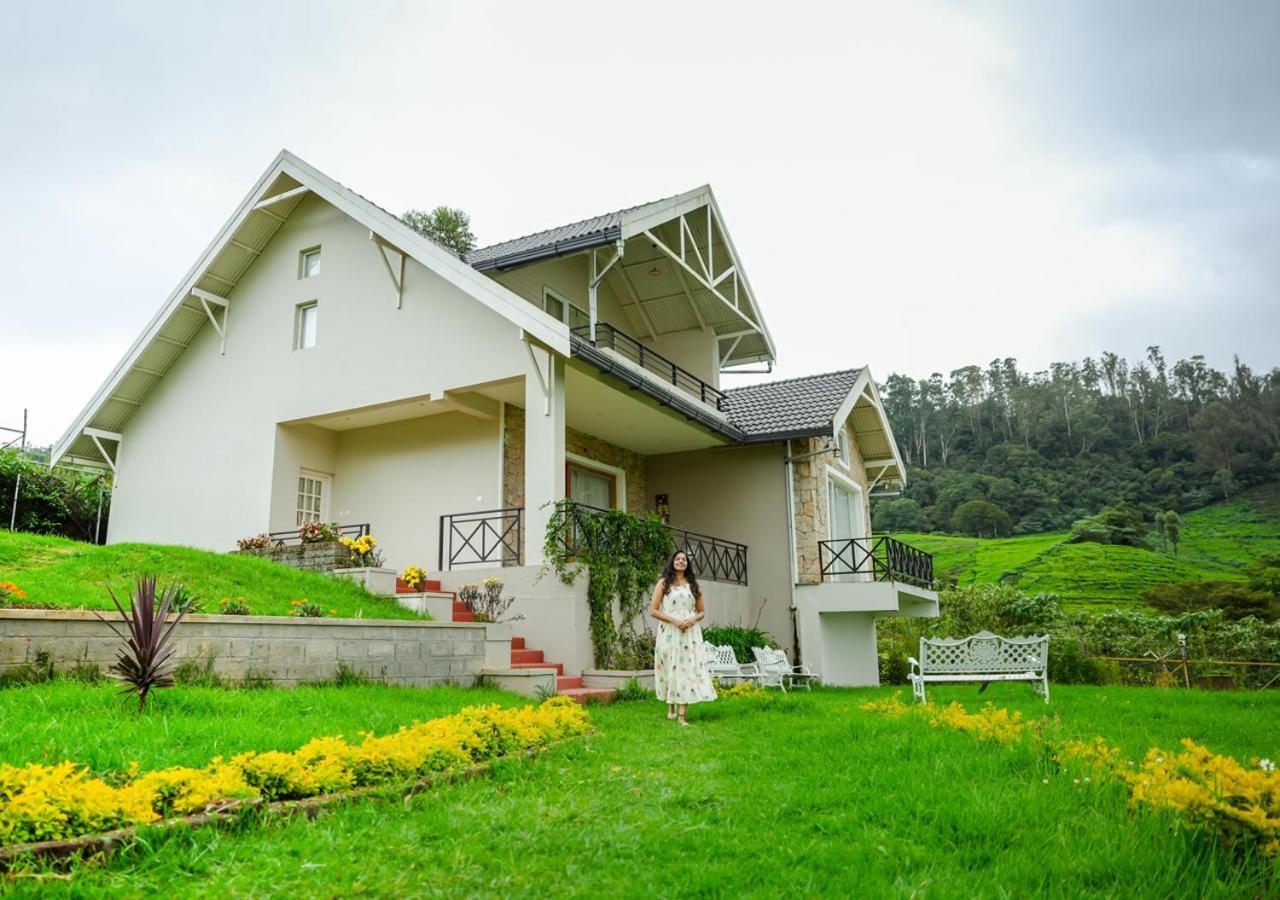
(669, 574)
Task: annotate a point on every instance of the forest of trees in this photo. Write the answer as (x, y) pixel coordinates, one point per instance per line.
(1051, 447)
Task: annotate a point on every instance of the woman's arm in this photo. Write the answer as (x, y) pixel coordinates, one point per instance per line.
(701, 611)
(655, 605)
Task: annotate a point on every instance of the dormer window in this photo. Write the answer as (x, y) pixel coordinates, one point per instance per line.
(309, 265)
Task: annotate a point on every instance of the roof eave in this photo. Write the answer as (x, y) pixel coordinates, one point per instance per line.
(552, 251)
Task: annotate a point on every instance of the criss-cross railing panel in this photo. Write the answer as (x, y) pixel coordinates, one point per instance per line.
(488, 537)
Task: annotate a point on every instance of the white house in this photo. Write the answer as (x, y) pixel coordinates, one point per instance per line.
(323, 361)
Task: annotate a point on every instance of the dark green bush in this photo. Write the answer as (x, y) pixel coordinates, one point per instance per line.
(894, 667)
(1237, 601)
(739, 638)
(1113, 525)
(1067, 665)
(62, 501)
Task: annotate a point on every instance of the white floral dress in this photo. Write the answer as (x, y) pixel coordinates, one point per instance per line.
(680, 673)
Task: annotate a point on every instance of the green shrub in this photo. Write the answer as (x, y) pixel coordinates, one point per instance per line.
(632, 690)
(741, 639)
(257, 680)
(35, 671)
(198, 673)
(61, 501)
(894, 667)
(1067, 665)
(1237, 601)
(997, 608)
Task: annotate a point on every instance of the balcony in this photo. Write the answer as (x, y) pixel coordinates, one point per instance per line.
(493, 538)
(649, 360)
(881, 557)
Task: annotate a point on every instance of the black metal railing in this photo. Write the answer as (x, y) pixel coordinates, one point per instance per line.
(284, 538)
(610, 338)
(488, 537)
(880, 556)
(714, 559)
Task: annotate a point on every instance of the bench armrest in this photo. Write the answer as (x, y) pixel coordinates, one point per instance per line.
(915, 665)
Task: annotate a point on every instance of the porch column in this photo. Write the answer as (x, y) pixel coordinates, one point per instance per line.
(543, 448)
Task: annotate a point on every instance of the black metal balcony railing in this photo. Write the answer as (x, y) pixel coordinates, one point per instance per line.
(880, 556)
(488, 537)
(714, 559)
(610, 338)
(284, 538)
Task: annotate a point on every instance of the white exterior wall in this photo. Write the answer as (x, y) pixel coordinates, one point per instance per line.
(197, 459)
(401, 476)
(737, 494)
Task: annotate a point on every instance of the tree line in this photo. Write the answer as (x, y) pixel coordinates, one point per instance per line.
(1052, 446)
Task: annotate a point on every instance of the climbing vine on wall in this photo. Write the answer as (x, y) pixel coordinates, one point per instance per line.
(623, 555)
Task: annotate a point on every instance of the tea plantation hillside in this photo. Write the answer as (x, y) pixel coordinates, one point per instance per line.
(1218, 541)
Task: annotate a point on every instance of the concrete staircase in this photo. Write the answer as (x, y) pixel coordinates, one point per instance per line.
(522, 657)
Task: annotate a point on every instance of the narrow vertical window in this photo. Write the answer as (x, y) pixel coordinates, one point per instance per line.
(309, 266)
(304, 326)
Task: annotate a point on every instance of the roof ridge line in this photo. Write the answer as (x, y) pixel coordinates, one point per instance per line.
(765, 384)
(582, 221)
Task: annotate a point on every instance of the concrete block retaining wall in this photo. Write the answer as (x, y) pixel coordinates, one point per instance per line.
(287, 651)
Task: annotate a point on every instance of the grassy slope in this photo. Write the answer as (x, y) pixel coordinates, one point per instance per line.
(1217, 542)
(65, 573)
(798, 796)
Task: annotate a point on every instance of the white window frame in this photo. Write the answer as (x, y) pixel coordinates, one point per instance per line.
(836, 477)
(325, 480)
(303, 255)
(565, 302)
(842, 445)
(619, 475)
(298, 331)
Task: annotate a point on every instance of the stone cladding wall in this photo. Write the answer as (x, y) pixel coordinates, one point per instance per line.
(809, 483)
(577, 442)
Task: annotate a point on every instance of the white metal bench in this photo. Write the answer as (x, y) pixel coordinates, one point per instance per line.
(776, 670)
(983, 657)
(724, 665)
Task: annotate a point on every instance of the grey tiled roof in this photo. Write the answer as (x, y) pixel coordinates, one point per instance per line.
(597, 226)
(793, 406)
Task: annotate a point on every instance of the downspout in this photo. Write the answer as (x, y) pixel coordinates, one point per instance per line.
(791, 546)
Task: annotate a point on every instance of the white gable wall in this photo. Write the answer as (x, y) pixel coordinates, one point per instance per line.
(196, 462)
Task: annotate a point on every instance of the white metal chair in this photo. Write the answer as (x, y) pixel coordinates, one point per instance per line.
(776, 670)
(724, 665)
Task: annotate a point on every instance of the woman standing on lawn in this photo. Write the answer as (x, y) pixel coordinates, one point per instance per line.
(680, 673)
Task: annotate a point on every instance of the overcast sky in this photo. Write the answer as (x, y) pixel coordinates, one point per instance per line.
(912, 186)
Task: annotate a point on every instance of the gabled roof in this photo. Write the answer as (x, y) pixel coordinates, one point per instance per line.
(688, 276)
(208, 285)
(799, 407)
(598, 231)
(815, 405)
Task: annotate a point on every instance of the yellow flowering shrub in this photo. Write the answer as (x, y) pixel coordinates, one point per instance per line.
(988, 723)
(1217, 793)
(1212, 791)
(743, 690)
(40, 803)
(1097, 754)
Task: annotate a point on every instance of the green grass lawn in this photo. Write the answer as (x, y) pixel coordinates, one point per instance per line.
(798, 796)
(1217, 542)
(70, 574)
